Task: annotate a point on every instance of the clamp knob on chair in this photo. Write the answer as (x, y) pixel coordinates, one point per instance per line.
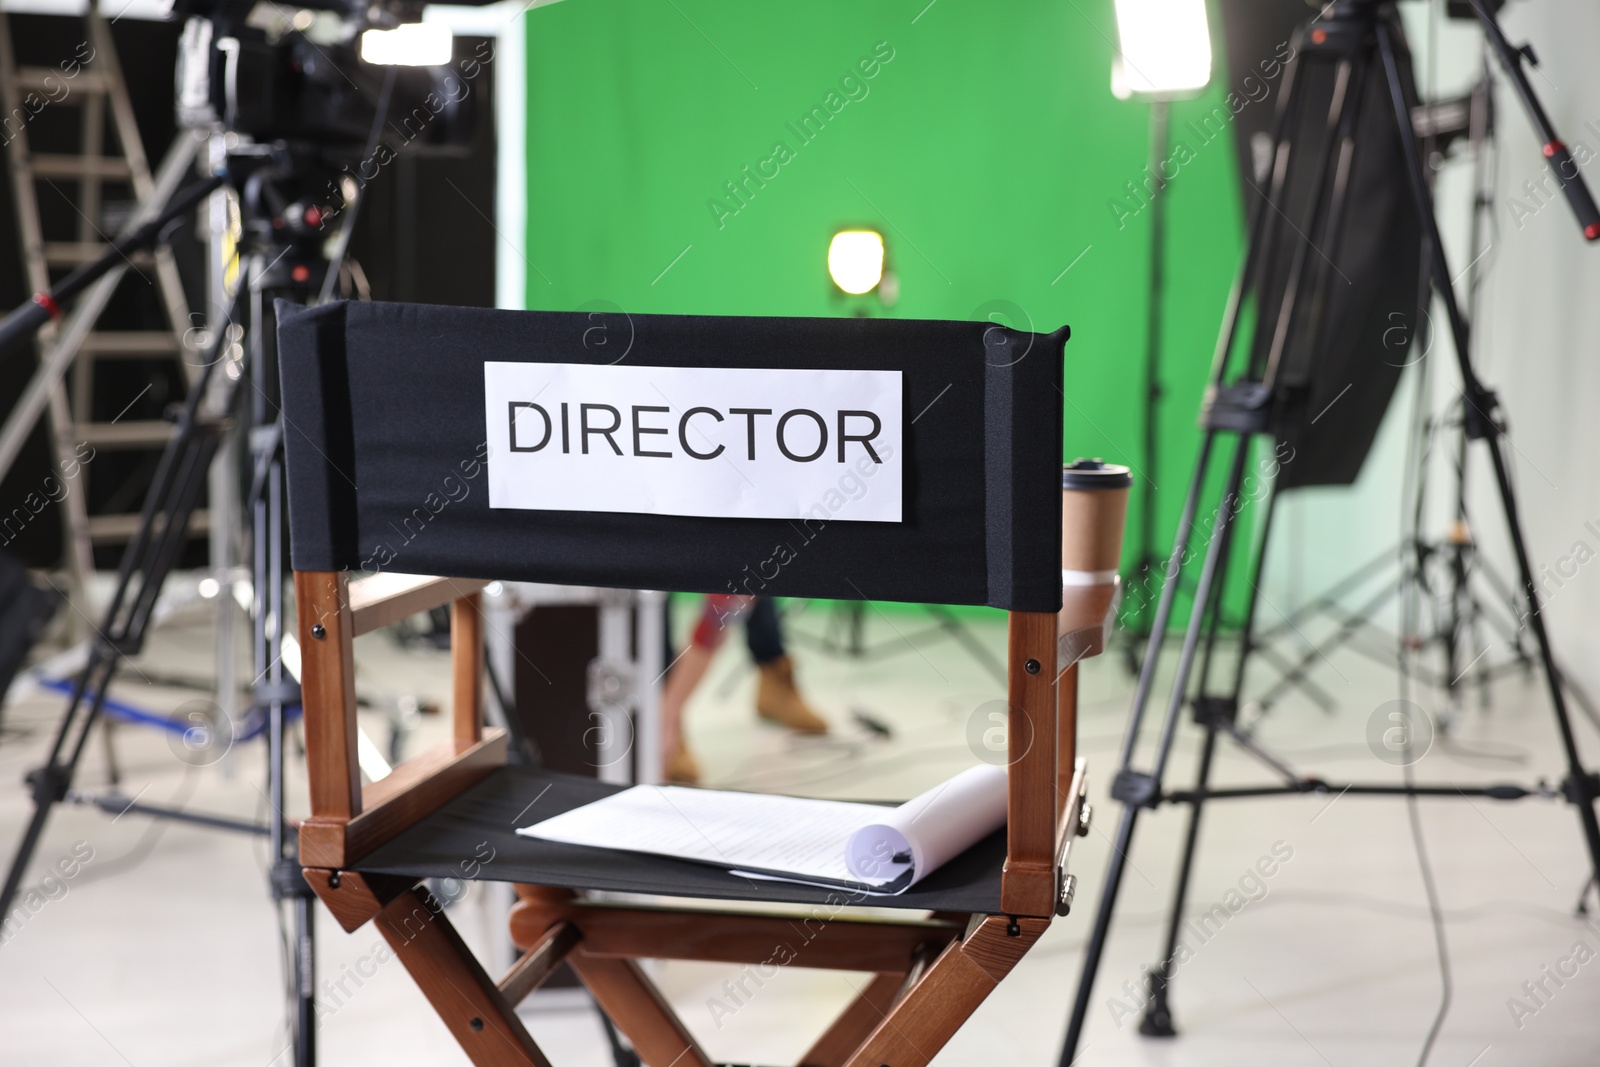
(1069, 888)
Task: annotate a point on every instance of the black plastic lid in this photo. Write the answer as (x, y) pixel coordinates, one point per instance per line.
(1093, 474)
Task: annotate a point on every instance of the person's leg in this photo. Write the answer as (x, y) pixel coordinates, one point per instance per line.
(777, 698)
(684, 676)
(682, 680)
(668, 649)
(762, 632)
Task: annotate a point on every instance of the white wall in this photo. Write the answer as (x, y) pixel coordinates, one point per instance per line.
(1541, 336)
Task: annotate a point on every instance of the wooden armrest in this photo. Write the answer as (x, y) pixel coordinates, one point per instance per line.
(347, 821)
(416, 789)
(384, 599)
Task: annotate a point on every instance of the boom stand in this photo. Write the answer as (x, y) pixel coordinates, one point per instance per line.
(1358, 38)
(149, 557)
(282, 260)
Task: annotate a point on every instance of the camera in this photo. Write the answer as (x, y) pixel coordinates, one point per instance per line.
(275, 72)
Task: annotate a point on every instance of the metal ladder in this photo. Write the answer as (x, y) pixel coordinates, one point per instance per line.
(96, 87)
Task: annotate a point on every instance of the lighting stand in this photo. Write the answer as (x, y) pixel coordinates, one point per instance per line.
(1148, 563)
(1357, 39)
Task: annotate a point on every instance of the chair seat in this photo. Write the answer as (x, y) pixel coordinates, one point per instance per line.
(459, 840)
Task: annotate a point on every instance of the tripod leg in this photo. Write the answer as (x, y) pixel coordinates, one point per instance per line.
(1502, 589)
(1481, 422)
(305, 1016)
(1157, 1019)
(1485, 694)
(25, 850)
(145, 562)
(1133, 789)
(108, 742)
(964, 637)
(1450, 640)
(1102, 927)
(50, 782)
(1580, 784)
(275, 689)
(1581, 697)
(1319, 696)
(1342, 636)
(1130, 812)
(1581, 909)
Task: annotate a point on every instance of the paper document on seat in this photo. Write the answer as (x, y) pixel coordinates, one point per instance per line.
(870, 847)
(935, 827)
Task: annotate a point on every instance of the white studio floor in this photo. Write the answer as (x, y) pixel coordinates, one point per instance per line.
(162, 948)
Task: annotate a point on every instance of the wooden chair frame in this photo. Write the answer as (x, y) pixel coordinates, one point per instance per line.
(928, 975)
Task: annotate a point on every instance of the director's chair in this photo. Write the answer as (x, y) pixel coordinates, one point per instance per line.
(385, 402)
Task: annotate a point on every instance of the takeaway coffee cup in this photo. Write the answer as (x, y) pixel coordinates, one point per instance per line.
(1094, 506)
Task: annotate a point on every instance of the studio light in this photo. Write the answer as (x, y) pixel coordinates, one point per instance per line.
(411, 44)
(1166, 48)
(1165, 55)
(855, 260)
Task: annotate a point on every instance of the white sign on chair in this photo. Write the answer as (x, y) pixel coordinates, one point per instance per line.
(730, 443)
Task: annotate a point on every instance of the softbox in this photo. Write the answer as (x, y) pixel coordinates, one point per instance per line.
(1345, 353)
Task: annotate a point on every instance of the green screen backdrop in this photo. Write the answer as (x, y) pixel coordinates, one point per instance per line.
(695, 156)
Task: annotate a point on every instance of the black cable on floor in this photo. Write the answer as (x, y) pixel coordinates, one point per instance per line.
(1414, 818)
(1436, 917)
(1418, 449)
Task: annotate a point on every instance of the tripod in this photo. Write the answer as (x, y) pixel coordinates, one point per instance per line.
(1476, 595)
(1353, 40)
(286, 263)
(280, 258)
(150, 556)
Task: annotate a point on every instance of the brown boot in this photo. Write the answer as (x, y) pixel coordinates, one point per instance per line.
(682, 768)
(777, 699)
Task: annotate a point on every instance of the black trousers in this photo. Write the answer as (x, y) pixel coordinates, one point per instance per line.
(763, 634)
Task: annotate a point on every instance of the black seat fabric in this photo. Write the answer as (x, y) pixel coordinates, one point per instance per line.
(474, 837)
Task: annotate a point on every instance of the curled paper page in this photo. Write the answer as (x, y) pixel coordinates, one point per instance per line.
(863, 847)
(923, 834)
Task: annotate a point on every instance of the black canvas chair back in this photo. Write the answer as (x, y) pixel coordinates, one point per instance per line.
(431, 450)
(389, 453)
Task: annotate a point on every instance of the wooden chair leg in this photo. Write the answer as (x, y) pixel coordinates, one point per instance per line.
(639, 1010)
(916, 1028)
(539, 963)
(863, 1015)
(476, 1013)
